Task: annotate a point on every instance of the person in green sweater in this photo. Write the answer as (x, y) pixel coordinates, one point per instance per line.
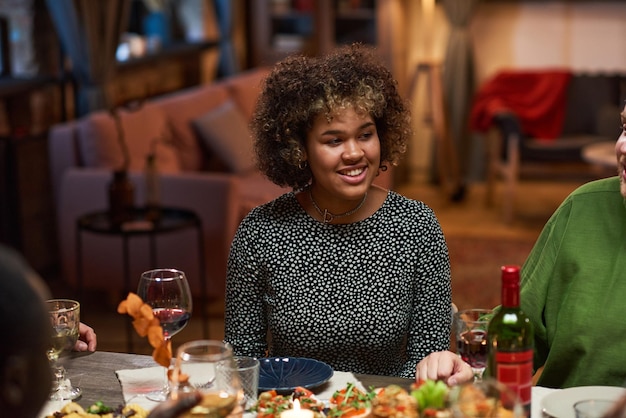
(573, 289)
(573, 286)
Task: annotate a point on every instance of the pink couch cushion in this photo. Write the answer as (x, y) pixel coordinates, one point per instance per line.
(245, 88)
(225, 132)
(144, 129)
(181, 108)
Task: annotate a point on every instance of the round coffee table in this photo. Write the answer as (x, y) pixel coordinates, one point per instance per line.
(600, 154)
(142, 222)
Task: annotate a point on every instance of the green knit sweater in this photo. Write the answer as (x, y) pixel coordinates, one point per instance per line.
(574, 289)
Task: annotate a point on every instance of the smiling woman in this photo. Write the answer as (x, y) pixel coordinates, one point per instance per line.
(338, 270)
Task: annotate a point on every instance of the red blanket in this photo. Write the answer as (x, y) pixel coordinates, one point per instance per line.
(536, 97)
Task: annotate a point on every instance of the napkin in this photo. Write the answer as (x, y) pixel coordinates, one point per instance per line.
(136, 383)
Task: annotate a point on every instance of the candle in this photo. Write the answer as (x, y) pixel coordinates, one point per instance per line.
(297, 412)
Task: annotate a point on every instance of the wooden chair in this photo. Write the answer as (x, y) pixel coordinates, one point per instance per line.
(592, 106)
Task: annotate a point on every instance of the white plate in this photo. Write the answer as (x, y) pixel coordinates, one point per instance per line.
(560, 404)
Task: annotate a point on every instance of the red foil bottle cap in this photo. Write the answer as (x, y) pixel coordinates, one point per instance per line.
(510, 285)
(510, 274)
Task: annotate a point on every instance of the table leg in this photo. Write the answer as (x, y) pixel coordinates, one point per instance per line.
(203, 282)
(153, 262)
(129, 328)
(79, 263)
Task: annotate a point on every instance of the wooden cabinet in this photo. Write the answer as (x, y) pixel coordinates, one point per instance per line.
(313, 27)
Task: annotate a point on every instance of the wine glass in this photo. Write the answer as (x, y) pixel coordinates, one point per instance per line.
(471, 338)
(167, 292)
(208, 366)
(64, 319)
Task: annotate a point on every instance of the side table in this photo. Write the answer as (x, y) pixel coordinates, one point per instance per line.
(602, 156)
(169, 220)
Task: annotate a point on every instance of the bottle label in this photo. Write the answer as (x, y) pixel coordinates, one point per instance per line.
(515, 370)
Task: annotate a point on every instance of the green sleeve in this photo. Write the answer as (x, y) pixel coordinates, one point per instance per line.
(536, 275)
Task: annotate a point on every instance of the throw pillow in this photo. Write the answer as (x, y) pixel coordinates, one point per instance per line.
(245, 88)
(183, 106)
(224, 130)
(145, 130)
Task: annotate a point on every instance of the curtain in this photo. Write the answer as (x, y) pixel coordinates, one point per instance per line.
(89, 32)
(458, 74)
(227, 62)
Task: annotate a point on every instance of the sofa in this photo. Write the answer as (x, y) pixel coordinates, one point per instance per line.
(203, 149)
(544, 118)
(218, 181)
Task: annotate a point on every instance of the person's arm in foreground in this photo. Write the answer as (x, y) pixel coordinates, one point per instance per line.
(446, 366)
(87, 340)
(173, 408)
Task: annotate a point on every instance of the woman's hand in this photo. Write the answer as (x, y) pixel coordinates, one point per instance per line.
(446, 366)
(87, 340)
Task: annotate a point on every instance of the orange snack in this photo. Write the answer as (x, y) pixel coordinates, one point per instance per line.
(146, 324)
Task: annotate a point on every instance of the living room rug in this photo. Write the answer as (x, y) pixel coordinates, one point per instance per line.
(475, 264)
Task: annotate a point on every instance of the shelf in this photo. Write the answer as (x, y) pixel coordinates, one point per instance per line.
(356, 14)
(172, 51)
(313, 30)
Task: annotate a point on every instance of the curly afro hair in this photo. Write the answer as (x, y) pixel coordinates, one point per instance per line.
(300, 88)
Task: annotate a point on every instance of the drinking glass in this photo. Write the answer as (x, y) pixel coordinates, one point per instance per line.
(207, 366)
(248, 369)
(167, 292)
(64, 319)
(593, 408)
(471, 338)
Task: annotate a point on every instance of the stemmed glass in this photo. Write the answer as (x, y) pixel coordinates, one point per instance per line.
(64, 319)
(208, 366)
(471, 338)
(167, 292)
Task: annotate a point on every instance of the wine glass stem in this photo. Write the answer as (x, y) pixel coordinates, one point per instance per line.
(166, 380)
(59, 384)
(59, 375)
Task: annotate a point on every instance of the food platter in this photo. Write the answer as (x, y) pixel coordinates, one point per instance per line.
(560, 404)
(284, 374)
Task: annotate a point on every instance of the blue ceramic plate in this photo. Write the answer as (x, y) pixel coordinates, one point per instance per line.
(284, 374)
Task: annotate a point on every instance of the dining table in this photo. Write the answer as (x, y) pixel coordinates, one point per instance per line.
(97, 375)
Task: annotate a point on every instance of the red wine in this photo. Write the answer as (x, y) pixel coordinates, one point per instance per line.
(510, 336)
(472, 346)
(172, 320)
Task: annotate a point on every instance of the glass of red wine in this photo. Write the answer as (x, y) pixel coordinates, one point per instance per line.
(471, 338)
(167, 292)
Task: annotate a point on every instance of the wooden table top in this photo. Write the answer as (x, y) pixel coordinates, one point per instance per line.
(95, 374)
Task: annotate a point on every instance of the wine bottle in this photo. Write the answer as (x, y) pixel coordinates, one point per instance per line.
(510, 337)
(121, 198)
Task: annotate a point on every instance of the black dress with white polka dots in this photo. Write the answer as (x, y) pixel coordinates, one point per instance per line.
(371, 297)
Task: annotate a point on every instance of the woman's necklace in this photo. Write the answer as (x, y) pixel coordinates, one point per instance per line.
(328, 217)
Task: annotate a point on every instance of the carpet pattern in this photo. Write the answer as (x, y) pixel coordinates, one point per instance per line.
(475, 264)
